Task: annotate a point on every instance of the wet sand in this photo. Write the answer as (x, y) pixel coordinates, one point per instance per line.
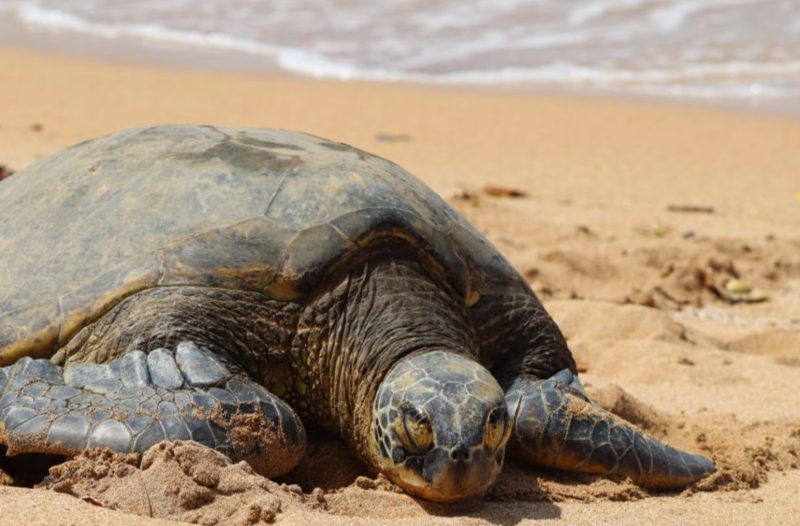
(635, 218)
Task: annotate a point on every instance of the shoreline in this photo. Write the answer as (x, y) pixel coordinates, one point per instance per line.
(136, 52)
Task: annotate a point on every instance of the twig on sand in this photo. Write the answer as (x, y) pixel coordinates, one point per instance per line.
(692, 209)
(503, 191)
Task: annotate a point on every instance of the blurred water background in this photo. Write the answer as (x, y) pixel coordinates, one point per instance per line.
(728, 52)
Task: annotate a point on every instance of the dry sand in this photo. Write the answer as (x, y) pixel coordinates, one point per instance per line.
(639, 290)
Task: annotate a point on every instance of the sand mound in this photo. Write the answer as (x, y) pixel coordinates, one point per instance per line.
(181, 481)
(745, 454)
(599, 320)
(6, 479)
(615, 399)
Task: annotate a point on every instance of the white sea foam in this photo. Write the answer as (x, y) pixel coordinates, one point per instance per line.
(587, 11)
(673, 15)
(680, 48)
(53, 19)
(677, 81)
(755, 91)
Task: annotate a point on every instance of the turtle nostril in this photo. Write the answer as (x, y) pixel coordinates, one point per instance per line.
(460, 454)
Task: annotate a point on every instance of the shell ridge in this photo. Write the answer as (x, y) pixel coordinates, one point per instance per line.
(60, 302)
(217, 130)
(284, 175)
(161, 266)
(333, 225)
(181, 241)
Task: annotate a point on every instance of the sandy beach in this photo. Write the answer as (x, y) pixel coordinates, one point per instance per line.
(632, 222)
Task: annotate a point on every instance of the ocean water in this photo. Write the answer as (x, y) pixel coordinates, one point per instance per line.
(707, 50)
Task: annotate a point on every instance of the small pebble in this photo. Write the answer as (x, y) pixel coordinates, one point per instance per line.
(757, 295)
(661, 230)
(737, 286)
(742, 291)
(468, 197)
(393, 137)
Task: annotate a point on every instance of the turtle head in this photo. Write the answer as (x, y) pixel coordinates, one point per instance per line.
(439, 426)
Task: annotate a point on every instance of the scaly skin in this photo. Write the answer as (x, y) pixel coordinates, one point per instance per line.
(465, 413)
(136, 401)
(557, 426)
(349, 338)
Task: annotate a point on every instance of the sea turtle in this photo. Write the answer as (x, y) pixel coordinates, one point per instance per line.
(221, 284)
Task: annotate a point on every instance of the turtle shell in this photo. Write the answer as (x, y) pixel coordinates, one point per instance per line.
(266, 210)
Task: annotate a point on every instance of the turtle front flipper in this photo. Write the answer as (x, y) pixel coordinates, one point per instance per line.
(556, 425)
(138, 400)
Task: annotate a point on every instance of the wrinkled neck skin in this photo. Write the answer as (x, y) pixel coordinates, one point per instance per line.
(350, 337)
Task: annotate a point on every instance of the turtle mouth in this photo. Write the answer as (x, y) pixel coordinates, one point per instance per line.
(448, 475)
(445, 491)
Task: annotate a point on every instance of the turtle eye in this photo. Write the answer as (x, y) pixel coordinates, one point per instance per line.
(414, 429)
(497, 429)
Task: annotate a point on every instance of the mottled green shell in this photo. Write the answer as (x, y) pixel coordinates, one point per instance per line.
(266, 210)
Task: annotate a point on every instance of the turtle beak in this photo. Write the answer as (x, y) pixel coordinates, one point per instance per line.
(458, 474)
